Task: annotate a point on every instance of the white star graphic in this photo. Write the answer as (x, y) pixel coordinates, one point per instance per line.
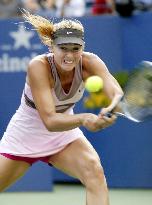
(22, 37)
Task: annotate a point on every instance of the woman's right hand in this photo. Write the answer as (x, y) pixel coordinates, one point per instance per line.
(95, 123)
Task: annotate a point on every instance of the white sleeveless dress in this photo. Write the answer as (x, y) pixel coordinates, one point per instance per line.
(26, 134)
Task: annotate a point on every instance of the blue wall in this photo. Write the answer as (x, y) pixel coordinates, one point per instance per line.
(124, 148)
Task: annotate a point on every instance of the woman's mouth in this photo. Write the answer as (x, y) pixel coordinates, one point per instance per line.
(69, 62)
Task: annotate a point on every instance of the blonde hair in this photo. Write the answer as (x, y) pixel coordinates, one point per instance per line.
(46, 28)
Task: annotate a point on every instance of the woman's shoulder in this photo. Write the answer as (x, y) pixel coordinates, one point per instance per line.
(88, 56)
(39, 64)
(39, 68)
(39, 59)
(92, 63)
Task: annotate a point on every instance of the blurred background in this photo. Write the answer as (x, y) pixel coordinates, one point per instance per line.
(120, 32)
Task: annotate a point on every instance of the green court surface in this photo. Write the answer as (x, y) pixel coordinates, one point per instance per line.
(75, 195)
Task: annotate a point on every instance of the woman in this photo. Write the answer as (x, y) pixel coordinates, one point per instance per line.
(44, 127)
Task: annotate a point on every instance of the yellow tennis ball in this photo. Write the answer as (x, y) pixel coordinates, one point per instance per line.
(94, 83)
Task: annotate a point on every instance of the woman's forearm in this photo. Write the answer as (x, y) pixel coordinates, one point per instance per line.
(61, 122)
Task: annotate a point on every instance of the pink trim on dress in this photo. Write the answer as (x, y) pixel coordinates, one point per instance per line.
(26, 159)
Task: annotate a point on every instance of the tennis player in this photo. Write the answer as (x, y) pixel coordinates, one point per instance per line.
(44, 127)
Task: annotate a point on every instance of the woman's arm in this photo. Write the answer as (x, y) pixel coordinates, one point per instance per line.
(41, 84)
(93, 65)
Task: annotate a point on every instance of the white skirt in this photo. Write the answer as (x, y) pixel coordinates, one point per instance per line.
(27, 136)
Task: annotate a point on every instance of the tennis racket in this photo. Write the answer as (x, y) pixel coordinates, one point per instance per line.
(136, 104)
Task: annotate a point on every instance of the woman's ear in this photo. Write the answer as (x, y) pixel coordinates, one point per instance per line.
(51, 49)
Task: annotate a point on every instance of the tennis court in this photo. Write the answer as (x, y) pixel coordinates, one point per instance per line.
(75, 195)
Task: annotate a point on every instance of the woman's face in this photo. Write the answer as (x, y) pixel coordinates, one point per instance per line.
(67, 56)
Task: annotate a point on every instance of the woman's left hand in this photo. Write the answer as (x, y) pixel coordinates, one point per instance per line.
(104, 122)
(114, 105)
(106, 110)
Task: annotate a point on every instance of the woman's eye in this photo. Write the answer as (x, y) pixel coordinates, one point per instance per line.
(76, 49)
(63, 48)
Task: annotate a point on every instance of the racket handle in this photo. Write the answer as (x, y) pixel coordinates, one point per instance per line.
(109, 114)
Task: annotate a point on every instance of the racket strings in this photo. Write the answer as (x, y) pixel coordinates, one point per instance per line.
(139, 89)
(137, 104)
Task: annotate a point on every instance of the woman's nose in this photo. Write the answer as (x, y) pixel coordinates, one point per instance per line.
(69, 54)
